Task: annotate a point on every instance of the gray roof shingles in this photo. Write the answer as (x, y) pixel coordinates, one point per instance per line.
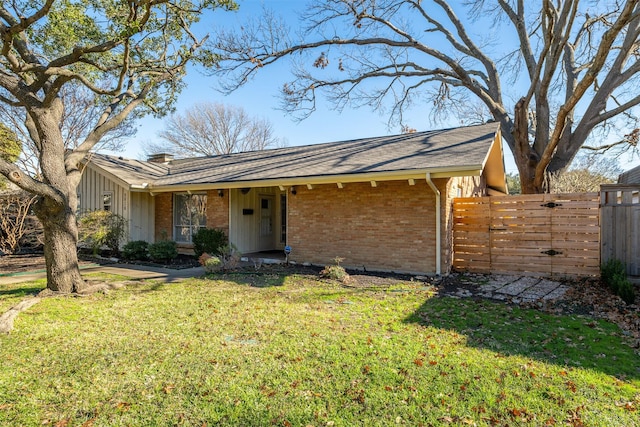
(460, 148)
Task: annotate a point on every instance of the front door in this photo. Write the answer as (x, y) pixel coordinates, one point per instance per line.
(266, 239)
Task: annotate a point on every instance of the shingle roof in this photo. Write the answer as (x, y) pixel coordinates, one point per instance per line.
(132, 172)
(463, 148)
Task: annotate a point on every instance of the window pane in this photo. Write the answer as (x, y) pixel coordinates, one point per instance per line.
(106, 201)
(199, 210)
(182, 234)
(189, 215)
(181, 215)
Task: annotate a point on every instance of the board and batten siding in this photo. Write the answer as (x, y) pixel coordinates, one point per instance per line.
(244, 228)
(136, 208)
(91, 188)
(141, 219)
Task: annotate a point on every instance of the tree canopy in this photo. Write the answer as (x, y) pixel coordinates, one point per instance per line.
(129, 55)
(554, 75)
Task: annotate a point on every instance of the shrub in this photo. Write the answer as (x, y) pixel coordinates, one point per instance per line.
(336, 272)
(15, 220)
(136, 249)
(230, 256)
(611, 268)
(614, 274)
(102, 228)
(211, 264)
(209, 240)
(164, 250)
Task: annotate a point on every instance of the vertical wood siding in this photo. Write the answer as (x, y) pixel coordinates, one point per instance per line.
(620, 217)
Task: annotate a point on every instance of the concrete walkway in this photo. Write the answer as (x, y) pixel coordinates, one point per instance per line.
(135, 272)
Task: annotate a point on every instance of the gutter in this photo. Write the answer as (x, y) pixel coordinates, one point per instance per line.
(471, 170)
(438, 225)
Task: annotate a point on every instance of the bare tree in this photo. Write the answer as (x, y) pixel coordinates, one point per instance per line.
(208, 129)
(130, 55)
(554, 75)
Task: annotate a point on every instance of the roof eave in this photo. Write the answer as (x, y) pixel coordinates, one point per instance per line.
(445, 172)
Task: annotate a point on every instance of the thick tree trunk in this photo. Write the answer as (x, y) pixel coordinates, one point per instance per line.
(60, 250)
(526, 158)
(56, 212)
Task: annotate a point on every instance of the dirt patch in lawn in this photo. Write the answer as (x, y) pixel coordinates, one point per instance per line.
(22, 263)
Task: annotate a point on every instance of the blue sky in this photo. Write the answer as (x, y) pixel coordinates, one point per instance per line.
(259, 98)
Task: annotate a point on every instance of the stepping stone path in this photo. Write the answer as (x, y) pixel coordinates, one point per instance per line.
(511, 288)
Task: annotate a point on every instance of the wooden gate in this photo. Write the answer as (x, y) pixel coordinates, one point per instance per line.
(542, 234)
(620, 217)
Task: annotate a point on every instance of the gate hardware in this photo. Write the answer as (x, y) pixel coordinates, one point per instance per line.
(551, 252)
(551, 205)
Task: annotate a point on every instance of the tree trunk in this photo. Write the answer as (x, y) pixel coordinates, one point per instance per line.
(526, 158)
(60, 250)
(56, 211)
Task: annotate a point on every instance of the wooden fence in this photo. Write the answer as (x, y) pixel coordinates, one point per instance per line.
(620, 219)
(545, 234)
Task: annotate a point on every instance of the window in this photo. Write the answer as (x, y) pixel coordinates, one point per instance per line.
(107, 198)
(189, 215)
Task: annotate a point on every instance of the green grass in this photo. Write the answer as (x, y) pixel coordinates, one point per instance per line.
(294, 351)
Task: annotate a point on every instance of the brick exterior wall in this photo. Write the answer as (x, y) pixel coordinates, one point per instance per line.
(163, 216)
(388, 227)
(218, 210)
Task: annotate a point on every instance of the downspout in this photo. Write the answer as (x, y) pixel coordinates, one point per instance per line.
(438, 220)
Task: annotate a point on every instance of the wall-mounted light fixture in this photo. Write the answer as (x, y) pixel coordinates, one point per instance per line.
(220, 193)
(293, 190)
(245, 190)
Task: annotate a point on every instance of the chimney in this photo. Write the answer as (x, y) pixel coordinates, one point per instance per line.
(160, 158)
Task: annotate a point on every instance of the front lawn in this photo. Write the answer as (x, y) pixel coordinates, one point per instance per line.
(295, 351)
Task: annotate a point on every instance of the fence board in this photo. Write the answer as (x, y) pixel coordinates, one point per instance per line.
(509, 234)
(620, 218)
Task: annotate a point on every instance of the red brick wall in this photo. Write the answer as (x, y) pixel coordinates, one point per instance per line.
(163, 216)
(389, 227)
(218, 210)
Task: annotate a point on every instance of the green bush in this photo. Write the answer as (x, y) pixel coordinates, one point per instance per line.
(102, 228)
(612, 268)
(164, 250)
(614, 274)
(211, 264)
(209, 240)
(136, 249)
(336, 272)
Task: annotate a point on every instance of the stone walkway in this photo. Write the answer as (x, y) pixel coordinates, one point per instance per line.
(516, 289)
